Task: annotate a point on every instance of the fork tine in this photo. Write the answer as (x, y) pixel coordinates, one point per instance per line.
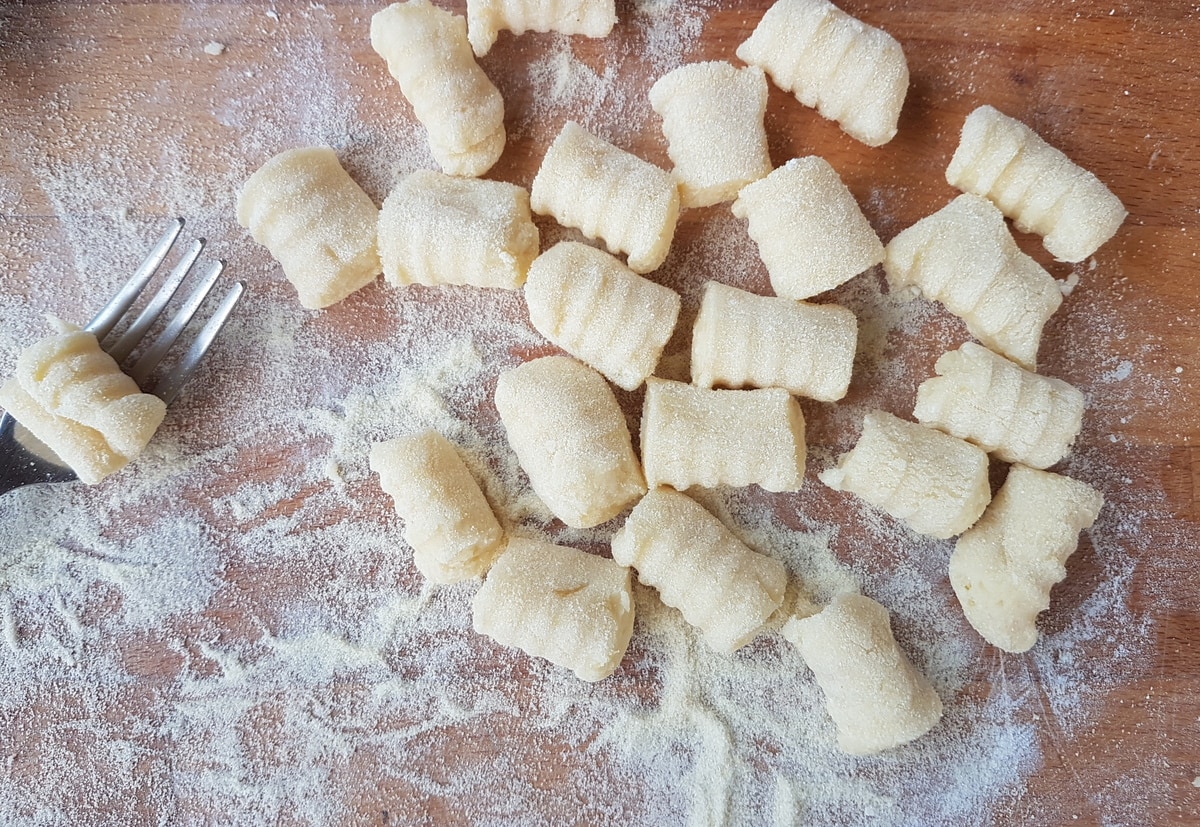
(107, 318)
(170, 386)
(149, 360)
(129, 339)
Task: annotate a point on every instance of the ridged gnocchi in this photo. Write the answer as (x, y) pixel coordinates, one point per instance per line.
(1034, 184)
(487, 18)
(722, 587)
(598, 310)
(316, 221)
(427, 52)
(441, 229)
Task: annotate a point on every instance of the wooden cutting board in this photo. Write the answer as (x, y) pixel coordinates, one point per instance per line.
(127, 91)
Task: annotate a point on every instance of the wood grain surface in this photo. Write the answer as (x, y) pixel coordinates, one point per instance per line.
(1116, 85)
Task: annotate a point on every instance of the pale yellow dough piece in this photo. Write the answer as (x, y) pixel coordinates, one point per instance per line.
(607, 193)
(1006, 410)
(696, 436)
(570, 436)
(441, 229)
(936, 483)
(317, 223)
(572, 608)
(722, 587)
(876, 697)
(72, 396)
(447, 520)
(743, 340)
(964, 257)
(852, 73)
(598, 310)
(810, 232)
(427, 52)
(487, 18)
(712, 116)
(1034, 184)
(1002, 570)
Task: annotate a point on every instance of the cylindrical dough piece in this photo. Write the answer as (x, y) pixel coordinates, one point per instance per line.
(1006, 410)
(447, 520)
(810, 232)
(598, 310)
(317, 223)
(936, 483)
(487, 18)
(712, 117)
(610, 194)
(853, 73)
(1002, 570)
(873, 693)
(1034, 184)
(743, 340)
(964, 257)
(696, 436)
(723, 588)
(428, 54)
(441, 229)
(569, 434)
(83, 449)
(572, 608)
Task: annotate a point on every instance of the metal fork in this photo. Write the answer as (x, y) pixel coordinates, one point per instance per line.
(26, 460)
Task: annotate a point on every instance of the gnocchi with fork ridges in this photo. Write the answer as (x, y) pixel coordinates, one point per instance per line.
(487, 18)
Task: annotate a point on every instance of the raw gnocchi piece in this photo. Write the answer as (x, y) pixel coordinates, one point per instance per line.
(73, 397)
(570, 436)
(598, 310)
(317, 223)
(876, 697)
(1003, 569)
(610, 194)
(696, 436)
(1034, 184)
(741, 340)
(811, 234)
(722, 587)
(852, 73)
(936, 483)
(964, 257)
(1004, 409)
(487, 18)
(447, 520)
(440, 229)
(712, 117)
(572, 608)
(428, 54)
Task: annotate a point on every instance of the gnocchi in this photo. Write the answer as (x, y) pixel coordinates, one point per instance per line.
(598, 310)
(1004, 409)
(876, 697)
(427, 52)
(607, 193)
(1034, 184)
(440, 229)
(572, 608)
(810, 232)
(742, 340)
(964, 257)
(570, 436)
(487, 18)
(448, 523)
(73, 397)
(937, 484)
(696, 436)
(722, 587)
(1002, 570)
(317, 223)
(712, 116)
(852, 73)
